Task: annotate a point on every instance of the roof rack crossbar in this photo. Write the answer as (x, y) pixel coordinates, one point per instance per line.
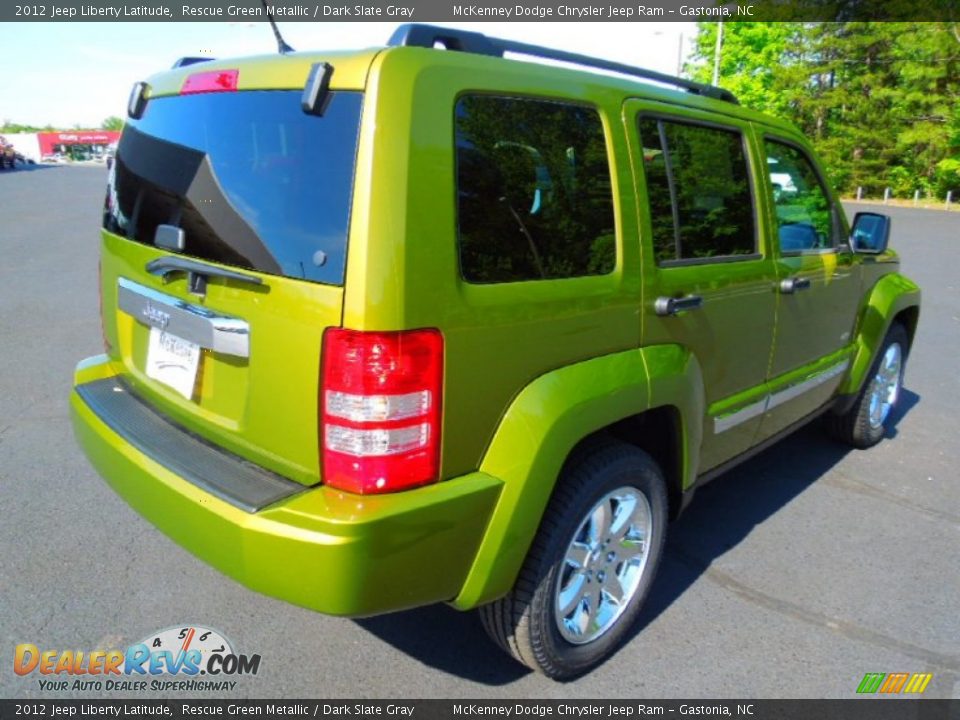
(418, 35)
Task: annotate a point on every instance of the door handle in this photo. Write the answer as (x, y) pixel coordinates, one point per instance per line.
(788, 286)
(664, 306)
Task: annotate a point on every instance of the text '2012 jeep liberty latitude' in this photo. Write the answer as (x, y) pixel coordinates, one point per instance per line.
(412, 325)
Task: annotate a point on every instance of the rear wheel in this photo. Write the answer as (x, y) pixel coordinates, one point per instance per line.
(864, 425)
(590, 566)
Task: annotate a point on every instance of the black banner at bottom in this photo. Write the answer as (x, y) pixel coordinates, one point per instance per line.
(853, 709)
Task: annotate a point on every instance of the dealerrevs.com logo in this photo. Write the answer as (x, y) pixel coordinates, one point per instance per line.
(188, 658)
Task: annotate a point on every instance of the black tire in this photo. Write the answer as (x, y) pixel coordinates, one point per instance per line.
(855, 427)
(525, 622)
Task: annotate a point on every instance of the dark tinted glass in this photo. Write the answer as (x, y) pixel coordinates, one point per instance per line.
(533, 189)
(699, 191)
(658, 191)
(804, 220)
(251, 179)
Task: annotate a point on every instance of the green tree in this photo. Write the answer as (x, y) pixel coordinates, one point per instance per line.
(749, 62)
(11, 127)
(112, 123)
(927, 60)
(881, 101)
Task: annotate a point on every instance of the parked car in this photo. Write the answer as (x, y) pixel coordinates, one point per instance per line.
(109, 154)
(430, 325)
(8, 155)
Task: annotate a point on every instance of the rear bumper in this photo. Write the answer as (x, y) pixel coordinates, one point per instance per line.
(327, 550)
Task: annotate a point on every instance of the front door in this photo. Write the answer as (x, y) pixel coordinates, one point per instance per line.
(818, 284)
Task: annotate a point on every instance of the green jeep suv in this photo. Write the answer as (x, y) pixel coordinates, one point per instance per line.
(423, 324)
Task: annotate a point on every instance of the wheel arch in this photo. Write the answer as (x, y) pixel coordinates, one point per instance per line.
(909, 317)
(640, 396)
(894, 298)
(659, 433)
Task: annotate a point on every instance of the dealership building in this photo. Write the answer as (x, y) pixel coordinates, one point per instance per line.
(76, 144)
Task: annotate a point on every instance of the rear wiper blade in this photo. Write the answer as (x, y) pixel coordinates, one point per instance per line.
(197, 272)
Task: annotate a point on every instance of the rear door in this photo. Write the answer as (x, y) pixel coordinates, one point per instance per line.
(707, 278)
(224, 245)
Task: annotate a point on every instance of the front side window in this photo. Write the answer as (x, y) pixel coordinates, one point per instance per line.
(804, 217)
(534, 197)
(698, 185)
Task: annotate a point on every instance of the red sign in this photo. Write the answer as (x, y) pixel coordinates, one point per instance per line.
(50, 141)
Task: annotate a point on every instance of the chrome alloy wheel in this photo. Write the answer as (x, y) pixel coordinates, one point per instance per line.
(603, 565)
(885, 386)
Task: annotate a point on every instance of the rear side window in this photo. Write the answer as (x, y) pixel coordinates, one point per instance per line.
(698, 184)
(251, 179)
(534, 196)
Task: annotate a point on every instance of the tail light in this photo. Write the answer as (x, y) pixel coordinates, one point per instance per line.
(380, 396)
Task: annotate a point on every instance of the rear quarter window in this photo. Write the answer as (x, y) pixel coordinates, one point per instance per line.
(534, 196)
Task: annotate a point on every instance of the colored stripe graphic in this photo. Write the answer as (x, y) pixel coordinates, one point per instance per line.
(871, 682)
(894, 682)
(918, 682)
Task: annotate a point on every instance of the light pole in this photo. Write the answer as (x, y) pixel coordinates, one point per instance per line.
(680, 55)
(679, 50)
(716, 54)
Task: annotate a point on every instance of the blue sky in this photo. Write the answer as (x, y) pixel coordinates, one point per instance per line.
(68, 73)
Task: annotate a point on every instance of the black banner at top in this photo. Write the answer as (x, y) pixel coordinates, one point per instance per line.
(482, 10)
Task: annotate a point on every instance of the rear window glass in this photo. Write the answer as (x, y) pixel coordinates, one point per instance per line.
(533, 191)
(251, 179)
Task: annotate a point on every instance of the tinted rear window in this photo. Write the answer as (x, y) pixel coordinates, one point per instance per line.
(251, 179)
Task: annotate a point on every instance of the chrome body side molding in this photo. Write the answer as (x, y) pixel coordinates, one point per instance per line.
(748, 412)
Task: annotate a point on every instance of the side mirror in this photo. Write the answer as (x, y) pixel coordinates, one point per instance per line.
(870, 234)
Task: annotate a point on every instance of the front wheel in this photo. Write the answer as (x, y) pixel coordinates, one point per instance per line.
(865, 424)
(590, 566)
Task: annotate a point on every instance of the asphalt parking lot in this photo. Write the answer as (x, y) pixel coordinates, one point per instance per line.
(791, 576)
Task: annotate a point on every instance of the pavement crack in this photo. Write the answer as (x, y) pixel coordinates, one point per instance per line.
(842, 482)
(798, 612)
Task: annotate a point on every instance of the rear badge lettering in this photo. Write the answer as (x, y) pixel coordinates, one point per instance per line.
(155, 316)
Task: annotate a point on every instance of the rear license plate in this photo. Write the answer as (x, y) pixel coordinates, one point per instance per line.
(173, 361)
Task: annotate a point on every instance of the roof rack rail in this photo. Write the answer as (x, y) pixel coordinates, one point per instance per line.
(428, 36)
